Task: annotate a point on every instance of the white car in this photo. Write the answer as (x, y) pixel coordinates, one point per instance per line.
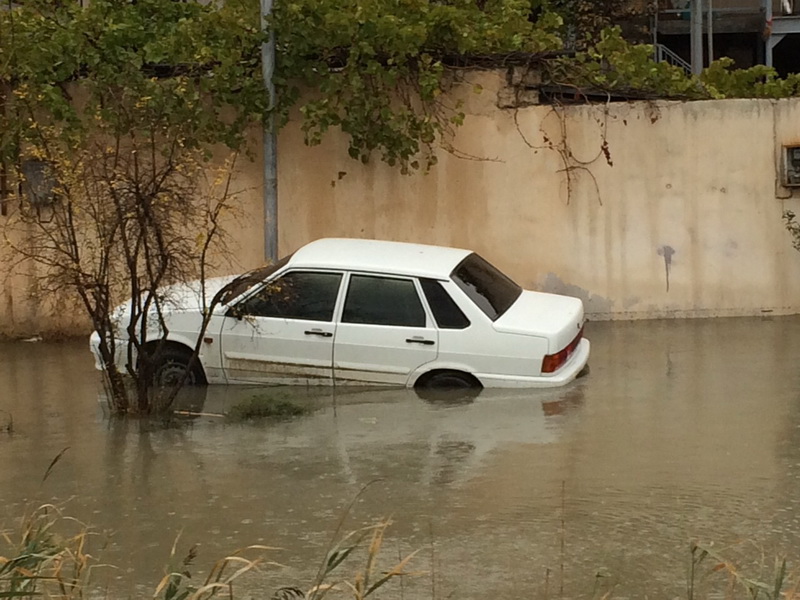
(355, 311)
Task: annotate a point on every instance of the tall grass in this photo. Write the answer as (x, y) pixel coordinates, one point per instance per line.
(177, 583)
(367, 578)
(47, 557)
(44, 563)
(708, 563)
(40, 561)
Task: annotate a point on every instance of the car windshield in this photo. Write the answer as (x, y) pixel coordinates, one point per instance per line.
(245, 282)
(492, 291)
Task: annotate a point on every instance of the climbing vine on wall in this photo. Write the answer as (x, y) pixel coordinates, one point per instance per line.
(373, 68)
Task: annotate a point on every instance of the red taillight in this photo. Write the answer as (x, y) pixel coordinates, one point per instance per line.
(553, 362)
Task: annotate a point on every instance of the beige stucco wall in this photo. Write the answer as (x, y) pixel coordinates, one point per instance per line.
(695, 180)
(688, 189)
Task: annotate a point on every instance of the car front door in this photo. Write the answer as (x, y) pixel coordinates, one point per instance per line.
(383, 332)
(284, 332)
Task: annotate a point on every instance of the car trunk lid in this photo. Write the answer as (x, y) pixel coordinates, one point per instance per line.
(558, 318)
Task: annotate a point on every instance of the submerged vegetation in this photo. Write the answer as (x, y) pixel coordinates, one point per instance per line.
(266, 406)
(6, 422)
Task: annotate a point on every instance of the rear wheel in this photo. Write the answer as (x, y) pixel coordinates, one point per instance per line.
(448, 380)
(171, 366)
(448, 387)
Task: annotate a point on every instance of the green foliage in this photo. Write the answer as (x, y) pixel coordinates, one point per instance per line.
(615, 65)
(585, 20)
(152, 67)
(721, 80)
(376, 68)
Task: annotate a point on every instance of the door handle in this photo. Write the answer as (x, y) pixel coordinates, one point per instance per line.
(419, 340)
(319, 332)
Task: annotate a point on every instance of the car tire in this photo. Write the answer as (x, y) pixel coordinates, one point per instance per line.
(450, 380)
(450, 388)
(171, 366)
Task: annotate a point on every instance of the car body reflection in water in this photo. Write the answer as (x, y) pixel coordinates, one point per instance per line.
(453, 429)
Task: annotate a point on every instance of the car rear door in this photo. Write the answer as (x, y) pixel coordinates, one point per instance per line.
(284, 332)
(384, 332)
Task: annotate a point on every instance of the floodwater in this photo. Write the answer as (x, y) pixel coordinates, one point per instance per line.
(683, 431)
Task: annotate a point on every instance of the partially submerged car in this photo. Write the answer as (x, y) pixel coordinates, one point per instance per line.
(355, 311)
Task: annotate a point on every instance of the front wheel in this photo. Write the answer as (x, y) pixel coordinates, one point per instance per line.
(171, 367)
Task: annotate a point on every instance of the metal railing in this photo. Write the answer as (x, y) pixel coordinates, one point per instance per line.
(664, 54)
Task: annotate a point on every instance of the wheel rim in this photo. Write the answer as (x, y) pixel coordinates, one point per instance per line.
(171, 373)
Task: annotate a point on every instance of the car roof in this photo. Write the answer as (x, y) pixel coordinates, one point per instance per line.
(396, 258)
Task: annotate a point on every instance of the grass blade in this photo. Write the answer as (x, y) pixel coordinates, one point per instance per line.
(53, 464)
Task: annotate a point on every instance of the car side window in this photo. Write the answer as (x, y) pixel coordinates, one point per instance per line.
(383, 301)
(297, 295)
(445, 310)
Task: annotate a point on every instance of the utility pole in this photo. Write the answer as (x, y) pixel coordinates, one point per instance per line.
(696, 36)
(270, 140)
(710, 30)
(770, 41)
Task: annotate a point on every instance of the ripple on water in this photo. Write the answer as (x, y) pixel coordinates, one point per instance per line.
(683, 431)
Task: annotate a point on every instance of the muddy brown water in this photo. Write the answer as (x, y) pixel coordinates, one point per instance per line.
(683, 431)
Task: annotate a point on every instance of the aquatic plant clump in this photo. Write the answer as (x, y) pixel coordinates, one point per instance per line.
(266, 406)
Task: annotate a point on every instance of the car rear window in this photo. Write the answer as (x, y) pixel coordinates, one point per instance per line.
(492, 291)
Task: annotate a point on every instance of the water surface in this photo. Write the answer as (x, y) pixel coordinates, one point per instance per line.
(683, 431)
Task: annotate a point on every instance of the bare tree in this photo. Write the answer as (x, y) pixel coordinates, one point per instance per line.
(124, 217)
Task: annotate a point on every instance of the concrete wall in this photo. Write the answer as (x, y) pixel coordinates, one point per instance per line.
(643, 210)
(682, 219)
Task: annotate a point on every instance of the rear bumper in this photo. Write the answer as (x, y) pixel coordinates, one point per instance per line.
(569, 371)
